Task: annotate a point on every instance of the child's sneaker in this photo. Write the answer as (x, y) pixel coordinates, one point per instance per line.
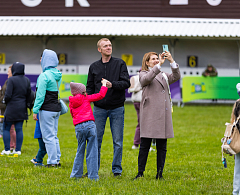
(5, 152)
(34, 160)
(39, 164)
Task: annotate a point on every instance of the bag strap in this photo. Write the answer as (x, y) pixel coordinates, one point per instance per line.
(235, 122)
(58, 91)
(169, 92)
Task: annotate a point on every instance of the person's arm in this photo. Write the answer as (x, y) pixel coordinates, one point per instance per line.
(174, 76)
(213, 73)
(90, 82)
(98, 96)
(146, 77)
(3, 91)
(41, 92)
(205, 73)
(9, 90)
(124, 81)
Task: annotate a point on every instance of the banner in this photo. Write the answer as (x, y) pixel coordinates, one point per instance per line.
(196, 88)
(32, 78)
(65, 90)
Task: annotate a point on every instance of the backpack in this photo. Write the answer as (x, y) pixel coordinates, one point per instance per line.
(30, 101)
(231, 140)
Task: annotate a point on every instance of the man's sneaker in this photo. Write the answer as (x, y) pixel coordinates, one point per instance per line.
(34, 160)
(138, 175)
(134, 147)
(117, 174)
(85, 175)
(4, 152)
(39, 164)
(16, 152)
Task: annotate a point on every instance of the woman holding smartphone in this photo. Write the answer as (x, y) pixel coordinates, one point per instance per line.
(155, 108)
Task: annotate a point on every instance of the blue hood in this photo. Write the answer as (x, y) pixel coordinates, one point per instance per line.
(49, 59)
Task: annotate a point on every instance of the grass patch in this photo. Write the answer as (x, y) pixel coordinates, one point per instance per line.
(193, 162)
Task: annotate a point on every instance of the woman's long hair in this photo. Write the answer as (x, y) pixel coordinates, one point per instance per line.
(236, 112)
(146, 58)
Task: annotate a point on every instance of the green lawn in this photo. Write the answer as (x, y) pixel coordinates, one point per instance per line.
(193, 163)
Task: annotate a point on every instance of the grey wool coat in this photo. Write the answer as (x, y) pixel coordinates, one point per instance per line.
(155, 107)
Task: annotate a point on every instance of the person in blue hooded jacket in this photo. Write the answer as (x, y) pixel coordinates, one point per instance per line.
(48, 106)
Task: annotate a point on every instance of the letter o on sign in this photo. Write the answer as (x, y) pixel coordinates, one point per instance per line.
(31, 3)
(214, 2)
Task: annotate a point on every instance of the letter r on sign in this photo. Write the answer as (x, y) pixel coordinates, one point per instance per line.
(82, 3)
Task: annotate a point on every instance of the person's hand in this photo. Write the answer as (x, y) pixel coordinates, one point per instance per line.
(35, 117)
(168, 56)
(104, 82)
(109, 84)
(161, 58)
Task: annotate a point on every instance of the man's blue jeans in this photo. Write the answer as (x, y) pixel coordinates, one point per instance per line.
(116, 117)
(49, 128)
(19, 134)
(86, 131)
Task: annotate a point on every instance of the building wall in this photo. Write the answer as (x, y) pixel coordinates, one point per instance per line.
(132, 8)
(83, 50)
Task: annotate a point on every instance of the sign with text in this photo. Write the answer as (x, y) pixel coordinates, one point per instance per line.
(125, 8)
(196, 88)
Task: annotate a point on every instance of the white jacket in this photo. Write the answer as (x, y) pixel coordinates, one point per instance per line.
(135, 89)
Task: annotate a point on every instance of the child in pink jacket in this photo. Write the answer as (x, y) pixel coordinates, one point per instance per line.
(85, 128)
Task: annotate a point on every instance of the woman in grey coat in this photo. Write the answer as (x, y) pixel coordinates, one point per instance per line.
(155, 108)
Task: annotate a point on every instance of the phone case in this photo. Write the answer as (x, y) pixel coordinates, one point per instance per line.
(165, 48)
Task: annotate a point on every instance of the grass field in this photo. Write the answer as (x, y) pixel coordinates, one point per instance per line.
(193, 163)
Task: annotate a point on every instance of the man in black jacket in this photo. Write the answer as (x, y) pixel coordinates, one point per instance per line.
(112, 106)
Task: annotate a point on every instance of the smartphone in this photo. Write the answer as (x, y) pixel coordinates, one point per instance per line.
(165, 48)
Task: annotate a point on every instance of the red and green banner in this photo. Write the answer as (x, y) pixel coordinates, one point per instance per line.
(196, 88)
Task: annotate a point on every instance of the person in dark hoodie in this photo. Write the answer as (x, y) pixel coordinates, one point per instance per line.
(48, 106)
(16, 94)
